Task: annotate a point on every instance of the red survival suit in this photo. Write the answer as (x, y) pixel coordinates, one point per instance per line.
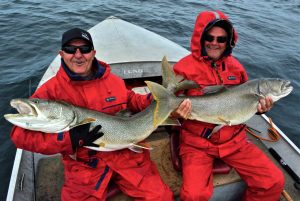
(87, 177)
(263, 178)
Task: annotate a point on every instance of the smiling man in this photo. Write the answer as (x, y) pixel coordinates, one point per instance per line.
(78, 54)
(84, 81)
(211, 63)
(215, 42)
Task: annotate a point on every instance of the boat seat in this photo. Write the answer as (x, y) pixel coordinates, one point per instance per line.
(219, 166)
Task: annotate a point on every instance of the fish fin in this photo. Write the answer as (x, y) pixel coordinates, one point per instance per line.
(85, 121)
(100, 147)
(228, 123)
(88, 120)
(186, 84)
(124, 113)
(94, 148)
(102, 144)
(171, 122)
(260, 95)
(99, 142)
(174, 82)
(143, 145)
(168, 75)
(164, 107)
(214, 89)
(216, 129)
(138, 147)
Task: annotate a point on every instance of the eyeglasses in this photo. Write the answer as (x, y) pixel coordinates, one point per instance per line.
(84, 49)
(220, 39)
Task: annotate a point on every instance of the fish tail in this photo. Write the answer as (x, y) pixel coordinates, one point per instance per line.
(168, 75)
(166, 102)
(174, 82)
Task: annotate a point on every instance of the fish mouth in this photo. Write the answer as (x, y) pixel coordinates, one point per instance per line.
(287, 87)
(24, 108)
(35, 114)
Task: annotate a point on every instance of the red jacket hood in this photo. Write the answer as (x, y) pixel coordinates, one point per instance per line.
(203, 20)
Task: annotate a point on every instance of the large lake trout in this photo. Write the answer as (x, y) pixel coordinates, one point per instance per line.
(219, 105)
(223, 105)
(56, 116)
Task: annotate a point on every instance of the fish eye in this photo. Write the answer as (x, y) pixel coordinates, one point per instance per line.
(35, 100)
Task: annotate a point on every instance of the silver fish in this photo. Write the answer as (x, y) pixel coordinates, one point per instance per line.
(222, 105)
(57, 116)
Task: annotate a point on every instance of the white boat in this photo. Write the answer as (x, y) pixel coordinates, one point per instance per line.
(135, 54)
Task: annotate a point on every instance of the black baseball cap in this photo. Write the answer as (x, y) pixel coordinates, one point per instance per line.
(76, 33)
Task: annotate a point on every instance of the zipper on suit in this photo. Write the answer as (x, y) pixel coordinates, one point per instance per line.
(214, 66)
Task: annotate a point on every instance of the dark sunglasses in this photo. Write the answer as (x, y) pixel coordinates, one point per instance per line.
(220, 39)
(84, 49)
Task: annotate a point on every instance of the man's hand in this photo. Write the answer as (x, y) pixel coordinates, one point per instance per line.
(265, 104)
(183, 110)
(82, 136)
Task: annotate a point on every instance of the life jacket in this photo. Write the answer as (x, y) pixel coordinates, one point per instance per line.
(205, 72)
(107, 94)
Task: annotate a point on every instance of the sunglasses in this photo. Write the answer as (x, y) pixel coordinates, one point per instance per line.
(220, 39)
(84, 49)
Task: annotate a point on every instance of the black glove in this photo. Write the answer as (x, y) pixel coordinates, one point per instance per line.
(81, 136)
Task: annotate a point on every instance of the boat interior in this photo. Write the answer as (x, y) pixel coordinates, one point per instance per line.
(48, 177)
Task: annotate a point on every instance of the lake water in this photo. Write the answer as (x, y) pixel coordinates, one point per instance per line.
(268, 45)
